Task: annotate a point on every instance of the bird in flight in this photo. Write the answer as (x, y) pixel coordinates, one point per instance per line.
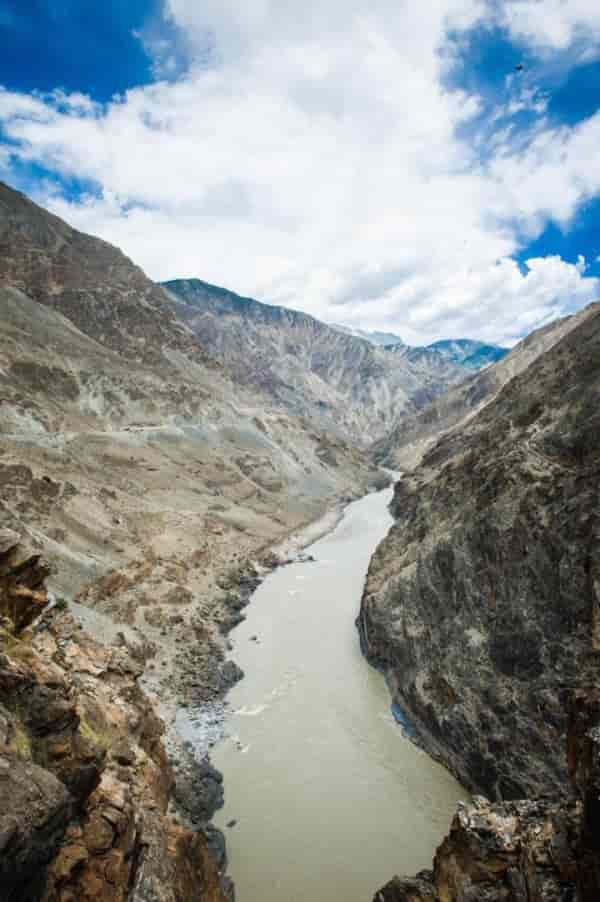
(519, 67)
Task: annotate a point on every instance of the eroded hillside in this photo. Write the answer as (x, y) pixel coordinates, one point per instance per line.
(150, 478)
(342, 382)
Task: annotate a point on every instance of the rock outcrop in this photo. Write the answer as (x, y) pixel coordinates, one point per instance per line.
(36, 810)
(23, 594)
(84, 779)
(516, 851)
(482, 604)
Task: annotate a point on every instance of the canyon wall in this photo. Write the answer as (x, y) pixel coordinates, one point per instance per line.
(482, 604)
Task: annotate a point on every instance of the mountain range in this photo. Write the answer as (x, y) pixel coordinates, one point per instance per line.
(343, 382)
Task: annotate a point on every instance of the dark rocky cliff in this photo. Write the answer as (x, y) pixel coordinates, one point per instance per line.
(482, 605)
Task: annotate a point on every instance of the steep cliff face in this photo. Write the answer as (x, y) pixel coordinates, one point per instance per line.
(340, 381)
(482, 603)
(84, 778)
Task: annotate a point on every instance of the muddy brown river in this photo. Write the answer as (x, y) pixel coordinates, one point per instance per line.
(329, 797)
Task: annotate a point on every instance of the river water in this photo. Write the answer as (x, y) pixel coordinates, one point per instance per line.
(329, 797)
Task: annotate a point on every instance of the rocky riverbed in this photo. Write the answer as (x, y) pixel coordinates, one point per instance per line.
(197, 709)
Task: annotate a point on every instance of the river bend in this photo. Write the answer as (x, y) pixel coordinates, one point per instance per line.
(330, 799)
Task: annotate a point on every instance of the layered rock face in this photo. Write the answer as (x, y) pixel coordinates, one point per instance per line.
(482, 604)
(84, 779)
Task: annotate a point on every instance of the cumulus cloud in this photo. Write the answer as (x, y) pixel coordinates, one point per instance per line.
(553, 24)
(314, 158)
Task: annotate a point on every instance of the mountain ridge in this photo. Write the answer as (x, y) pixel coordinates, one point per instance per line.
(339, 380)
(413, 433)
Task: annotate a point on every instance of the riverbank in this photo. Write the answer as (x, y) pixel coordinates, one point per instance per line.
(195, 726)
(182, 646)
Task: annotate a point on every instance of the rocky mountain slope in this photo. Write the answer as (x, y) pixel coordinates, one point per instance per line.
(470, 355)
(122, 441)
(474, 355)
(153, 482)
(465, 352)
(413, 433)
(339, 381)
(90, 283)
(482, 603)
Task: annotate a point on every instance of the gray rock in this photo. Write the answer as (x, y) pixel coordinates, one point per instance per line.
(9, 539)
(199, 790)
(482, 603)
(35, 809)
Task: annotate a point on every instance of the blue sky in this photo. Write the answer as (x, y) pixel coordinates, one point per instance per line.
(74, 45)
(373, 163)
(572, 93)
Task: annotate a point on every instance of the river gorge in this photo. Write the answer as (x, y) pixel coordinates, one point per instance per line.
(324, 793)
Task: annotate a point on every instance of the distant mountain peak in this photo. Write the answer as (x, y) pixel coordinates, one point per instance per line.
(468, 352)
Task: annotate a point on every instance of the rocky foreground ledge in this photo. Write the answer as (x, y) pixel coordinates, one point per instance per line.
(85, 784)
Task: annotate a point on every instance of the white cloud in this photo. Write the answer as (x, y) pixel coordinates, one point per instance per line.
(496, 303)
(313, 159)
(557, 170)
(553, 24)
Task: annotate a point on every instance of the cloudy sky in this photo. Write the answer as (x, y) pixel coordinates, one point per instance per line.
(430, 167)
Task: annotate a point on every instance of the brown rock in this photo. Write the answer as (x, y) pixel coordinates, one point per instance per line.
(23, 596)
